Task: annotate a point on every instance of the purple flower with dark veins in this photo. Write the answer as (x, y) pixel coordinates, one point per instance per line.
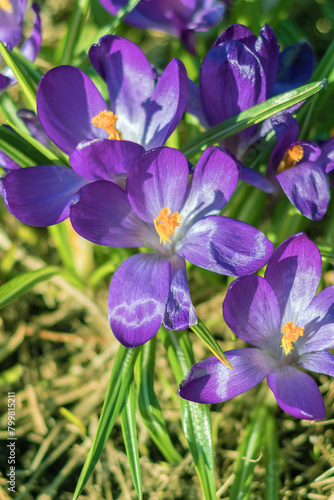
(290, 327)
(176, 221)
(12, 20)
(103, 143)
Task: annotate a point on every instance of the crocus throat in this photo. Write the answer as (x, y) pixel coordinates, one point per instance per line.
(291, 157)
(165, 224)
(6, 5)
(291, 333)
(107, 120)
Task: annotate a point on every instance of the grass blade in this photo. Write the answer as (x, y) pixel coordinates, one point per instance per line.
(251, 116)
(249, 453)
(196, 422)
(271, 459)
(120, 379)
(73, 32)
(28, 88)
(148, 404)
(20, 150)
(21, 284)
(129, 431)
(203, 333)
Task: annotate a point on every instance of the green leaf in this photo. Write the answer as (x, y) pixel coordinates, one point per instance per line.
(271, 459)
(30, 68)
(120, 379)
(195, 417)
(129, 431)
(148, 404)
(24, 282)
(20, 150)
(251, 116)
(203, 333)
(50, 156)
(249, 454)
(73, 31)
(27, 86)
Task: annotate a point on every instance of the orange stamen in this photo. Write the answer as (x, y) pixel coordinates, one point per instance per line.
(107, 120)
(331, 133)
(291, 333)
(166, 225)
(291, 157)
(6, 5)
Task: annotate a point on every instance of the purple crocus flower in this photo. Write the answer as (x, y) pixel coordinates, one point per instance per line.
(176, 221)
(71, 108)
(12, 19)
(299, 167)
(77, 119)
(238, 72)
(289, 326)
(179, 18)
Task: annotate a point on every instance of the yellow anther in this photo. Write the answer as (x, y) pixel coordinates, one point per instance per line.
(331, 133)
(107, 120)
(291, 157)
(165, 224)
(291, 332)
(6, 5)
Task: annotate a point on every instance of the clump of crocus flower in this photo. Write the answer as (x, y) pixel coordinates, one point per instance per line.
(290, 327)
(12, 20)
(176, 221)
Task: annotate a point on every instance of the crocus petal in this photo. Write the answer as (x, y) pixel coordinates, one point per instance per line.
(105, 159)
(318, 321)
(225, 246)
(67, 100)
(296, 63)
(31, 47)
(237, 32)
(42, 195)
(180, 313)
(211, 186)
(252, 312)
(130, 82)
(267, 49)
(253, 177)
(294, 273)
(307, 188)
(166, 106)
(104, 216)
(286, 129)
(4, 82)
(210, 381)
(319, 362)
(242, 86)
(137, 298)
(158, 180)
(194, 103)
(297, 393)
